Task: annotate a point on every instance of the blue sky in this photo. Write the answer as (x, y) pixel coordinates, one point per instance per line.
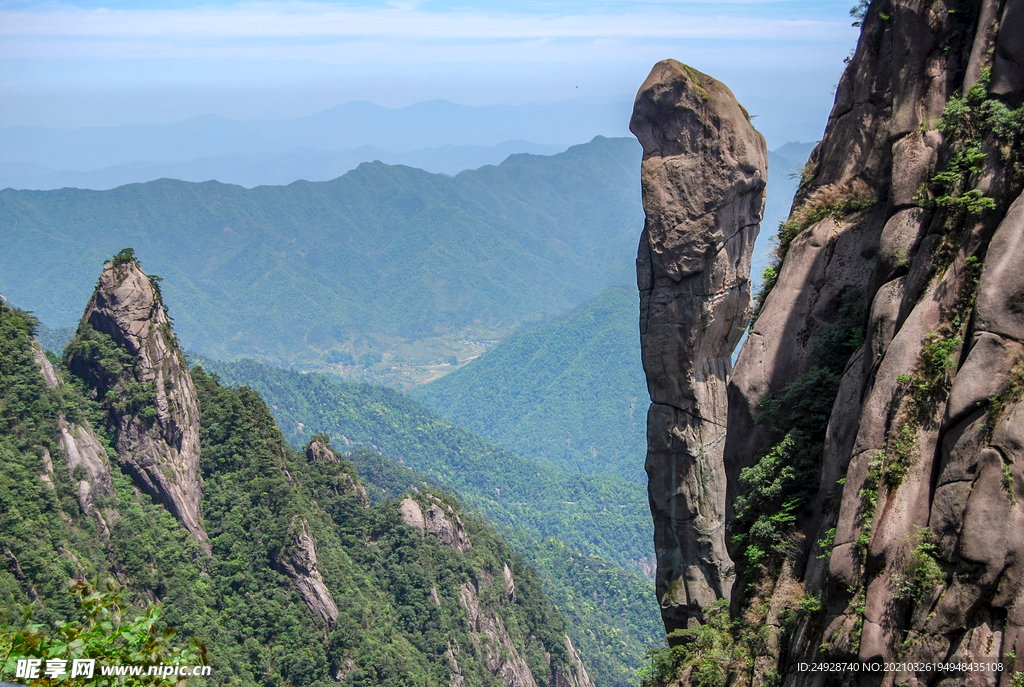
(102, 63)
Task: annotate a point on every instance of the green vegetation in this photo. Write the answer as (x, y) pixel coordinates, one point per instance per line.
(595, 514)
(1012, 393)
(775, 493)
(119, 390)
(776, 488)
(367, 264)
(54, 339)
(125, 256)
(901, 445)
(257, 628)
(32, 529)
(859, 11)
(698, 83)
(569, 393)
(610, 611)
(707, 649)
(922, 573)
(971, 124)
(1008, 484)
(826, 543)
(868, 495)
(105, 635)
(579, 532)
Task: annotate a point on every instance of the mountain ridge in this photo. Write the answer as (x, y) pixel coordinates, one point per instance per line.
(414, 127)
(568, 392)
(388, 251)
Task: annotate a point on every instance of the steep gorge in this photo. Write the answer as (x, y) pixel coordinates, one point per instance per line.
(874, 450)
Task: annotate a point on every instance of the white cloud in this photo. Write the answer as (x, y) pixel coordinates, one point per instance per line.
(312, 23)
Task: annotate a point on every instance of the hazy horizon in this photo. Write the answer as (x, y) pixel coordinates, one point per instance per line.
(84, 64)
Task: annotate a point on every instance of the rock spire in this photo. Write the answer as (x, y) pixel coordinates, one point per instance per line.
(141, 375)
(703, 176)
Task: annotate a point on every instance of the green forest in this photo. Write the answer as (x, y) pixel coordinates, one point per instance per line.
(397, 591)
(569, 393)
(600, 514)
(358, 266)
(252, 623)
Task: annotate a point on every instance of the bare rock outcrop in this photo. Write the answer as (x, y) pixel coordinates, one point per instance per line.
(574, 676)
(321, 452)
(299, 562)
(151, 401)
(83, 450)
(703, 175)
(87, 459)
(907, 542)
(488, 631)
(439, 521)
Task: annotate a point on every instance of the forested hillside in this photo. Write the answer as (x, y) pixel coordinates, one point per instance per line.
(586, 535)
(607, 607)
(381, 266)
(295, 578)
(569, 393)
(598, 514)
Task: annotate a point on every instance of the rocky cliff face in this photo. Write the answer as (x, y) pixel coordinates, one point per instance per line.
(87, 460)
(703, 174)
(125, 350)
(299, 563)
(874, 445)
(492, 641)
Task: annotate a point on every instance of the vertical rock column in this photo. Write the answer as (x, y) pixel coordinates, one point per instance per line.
(703, 176)
(160, 450)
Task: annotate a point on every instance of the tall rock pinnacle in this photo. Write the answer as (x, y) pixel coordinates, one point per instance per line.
(703, 175)
(141, 375)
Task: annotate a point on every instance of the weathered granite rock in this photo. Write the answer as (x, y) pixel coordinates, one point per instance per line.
(87, 459)
(913, 540)
(703, 177)
(299, 563)
(412, 514)
(158, 444)
(1008, 63)
(488, 630)
(576, 675)
(84, 451)
(439, 521)
(510, 582)
(45, 368)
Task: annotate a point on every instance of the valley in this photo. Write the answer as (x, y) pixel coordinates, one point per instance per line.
(556, 463)
(426, 394)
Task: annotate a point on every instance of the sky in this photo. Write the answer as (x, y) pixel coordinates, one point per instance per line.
(91, 63)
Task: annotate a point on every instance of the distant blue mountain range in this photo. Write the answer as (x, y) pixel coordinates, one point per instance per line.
(438, 136)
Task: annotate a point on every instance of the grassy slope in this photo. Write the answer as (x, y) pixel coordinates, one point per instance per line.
(570, 393)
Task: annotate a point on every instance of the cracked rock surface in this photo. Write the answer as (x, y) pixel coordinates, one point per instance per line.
(703, 176)
(161, 451)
